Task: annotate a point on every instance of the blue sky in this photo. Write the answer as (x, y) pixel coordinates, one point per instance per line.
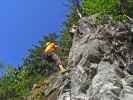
(24, 22)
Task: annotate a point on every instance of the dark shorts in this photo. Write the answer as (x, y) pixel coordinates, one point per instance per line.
(53, 57)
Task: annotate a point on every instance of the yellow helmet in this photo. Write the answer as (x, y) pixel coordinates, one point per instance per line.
(48, 43)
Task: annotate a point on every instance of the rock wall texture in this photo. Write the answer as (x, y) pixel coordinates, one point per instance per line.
(100, 60)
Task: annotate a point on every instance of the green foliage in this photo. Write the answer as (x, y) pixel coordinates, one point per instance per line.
(117, 8)
(66, 38)
(130, 8)
(100, 6)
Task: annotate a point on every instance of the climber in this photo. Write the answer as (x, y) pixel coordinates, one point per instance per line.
(50, 55)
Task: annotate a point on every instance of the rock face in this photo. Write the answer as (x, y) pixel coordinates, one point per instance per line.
(99, 59)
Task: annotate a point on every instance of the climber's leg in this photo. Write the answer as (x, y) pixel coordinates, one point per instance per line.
(58, 61)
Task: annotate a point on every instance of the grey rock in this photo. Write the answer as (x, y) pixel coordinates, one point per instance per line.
(127, 91)
(105, 83)
(98, 61)
(130, 68)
